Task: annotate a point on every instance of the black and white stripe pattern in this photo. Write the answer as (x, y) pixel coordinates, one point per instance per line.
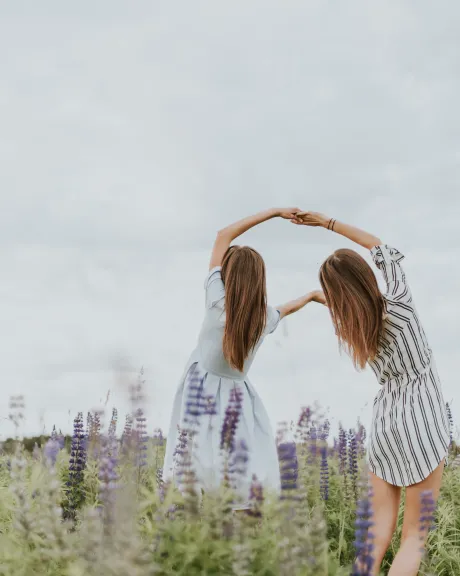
(410, 429)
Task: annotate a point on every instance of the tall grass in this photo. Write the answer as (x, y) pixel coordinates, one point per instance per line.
(102, 509)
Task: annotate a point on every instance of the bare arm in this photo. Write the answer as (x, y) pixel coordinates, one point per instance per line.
(354, 234)
(226, 236)
(299, 303)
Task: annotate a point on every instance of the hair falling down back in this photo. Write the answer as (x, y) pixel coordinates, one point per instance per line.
(243, 273)
(356, 305)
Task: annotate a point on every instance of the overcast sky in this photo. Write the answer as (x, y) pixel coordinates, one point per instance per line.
(131, 131)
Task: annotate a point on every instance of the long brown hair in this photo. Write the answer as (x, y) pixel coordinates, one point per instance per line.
(355, 303)
(243, 273)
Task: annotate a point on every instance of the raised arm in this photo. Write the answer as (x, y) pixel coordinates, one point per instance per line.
(354, 234)
(226, 236)
(299, 303)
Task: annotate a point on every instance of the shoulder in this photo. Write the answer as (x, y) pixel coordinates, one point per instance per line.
(384, 254)
(214, 286)
(273, 319)
(213, 275)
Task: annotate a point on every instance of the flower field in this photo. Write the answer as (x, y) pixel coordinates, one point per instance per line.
(96, 504)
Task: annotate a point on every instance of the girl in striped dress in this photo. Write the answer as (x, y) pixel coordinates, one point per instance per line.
(409, 435)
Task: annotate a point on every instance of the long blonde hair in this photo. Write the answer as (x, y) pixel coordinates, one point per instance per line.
(355, 302)
(243, 274)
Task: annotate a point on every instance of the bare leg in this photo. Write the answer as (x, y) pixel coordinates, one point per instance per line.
(407, 560)
(385, 505)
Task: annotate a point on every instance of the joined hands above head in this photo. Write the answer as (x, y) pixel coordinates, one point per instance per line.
(316, 219)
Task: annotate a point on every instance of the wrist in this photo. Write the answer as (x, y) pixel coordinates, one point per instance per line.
(274, 212)
(309, 297)
(329, 224)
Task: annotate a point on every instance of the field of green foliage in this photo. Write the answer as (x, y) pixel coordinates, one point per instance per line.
(99, 507)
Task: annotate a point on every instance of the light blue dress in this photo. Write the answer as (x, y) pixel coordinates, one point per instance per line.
(219, 379)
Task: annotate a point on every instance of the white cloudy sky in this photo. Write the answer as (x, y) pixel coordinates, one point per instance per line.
(132, 131)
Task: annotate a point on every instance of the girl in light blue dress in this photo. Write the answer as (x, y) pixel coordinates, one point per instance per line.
(236, 321)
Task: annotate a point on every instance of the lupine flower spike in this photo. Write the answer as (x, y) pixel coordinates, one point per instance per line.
(231, 419)
(364, 537)
(77, 464)
(16, 415)
(287, 455)
(141, 438)
(51, 451)
(353, 462)
(451, 423)
(256, 498)
(108, 478)
(324, 474)
(343, 453)
(427, 511)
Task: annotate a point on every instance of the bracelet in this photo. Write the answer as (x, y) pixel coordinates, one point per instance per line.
(333, 224)
(329, 225)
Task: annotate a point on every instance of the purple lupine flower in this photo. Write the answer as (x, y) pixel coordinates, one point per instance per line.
(16, 415)
(126, 437)
(137, 395)
(184, 471)
(160, 483)
(197, 403)
(77, 464)
(281, 432)
(353, 461)
(59, 438)
(231, 419)
(158, 438)
(305, 418)
(238, 464)
(313, 437)
(361, 439)
(181, 445)
(127, 430)
(364, 537)
(108, 478)
(427, 511)
(324, 474)
(113, 423)
(324, 430)
(287, 455)
(51, 451)
(256, 498)
(141, 438)
(89, 425)
(342, 449)
(93, 433)
(451, 423)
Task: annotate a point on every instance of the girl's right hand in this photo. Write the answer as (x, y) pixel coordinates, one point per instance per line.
(311, 219)
(287, 213)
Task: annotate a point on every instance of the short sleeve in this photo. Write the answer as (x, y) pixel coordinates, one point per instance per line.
(214, 286)
(388, 261)
(273, 319)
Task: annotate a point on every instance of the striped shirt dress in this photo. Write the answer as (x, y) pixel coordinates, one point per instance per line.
(410, 433)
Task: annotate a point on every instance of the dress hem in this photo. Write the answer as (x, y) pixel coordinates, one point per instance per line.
(431, 470)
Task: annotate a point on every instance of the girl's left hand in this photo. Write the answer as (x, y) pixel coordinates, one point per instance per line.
(310, 219)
